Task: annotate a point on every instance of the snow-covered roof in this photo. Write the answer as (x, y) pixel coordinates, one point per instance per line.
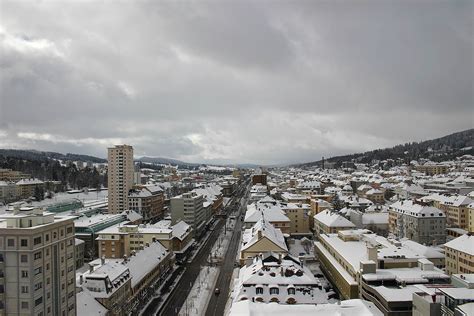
(87, 305)
(333, 219)
(267, 230)
(271, 213)
(29, 181)
(408, 207)
(464, 243)
(345, 308)
(145, 261)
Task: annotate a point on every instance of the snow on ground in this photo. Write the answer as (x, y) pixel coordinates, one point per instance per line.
(197, 300)
(298, 248)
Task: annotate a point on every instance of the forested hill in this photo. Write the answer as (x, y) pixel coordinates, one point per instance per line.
(439, 149)
(45, 155)
(43, 166)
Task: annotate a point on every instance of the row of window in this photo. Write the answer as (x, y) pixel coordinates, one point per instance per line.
(274, 291)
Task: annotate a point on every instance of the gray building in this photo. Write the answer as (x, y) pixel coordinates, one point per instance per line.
(37, 263)
(189, 208)
(423, 224)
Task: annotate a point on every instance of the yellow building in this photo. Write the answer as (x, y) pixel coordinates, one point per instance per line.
(329, 222)
(299, 215)
(120, 241)
(456, 208)
(460, 255)
(262, 237)
(471, 217)
(375, 195)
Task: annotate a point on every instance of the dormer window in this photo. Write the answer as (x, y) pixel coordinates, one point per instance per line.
(291, 291)
(259, 290)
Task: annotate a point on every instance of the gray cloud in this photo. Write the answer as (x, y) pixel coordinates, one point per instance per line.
(264, 82)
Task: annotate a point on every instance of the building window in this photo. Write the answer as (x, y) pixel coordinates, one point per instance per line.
(24, 258)
(274, 290)
(259, 290)
(11, 243)
(47, 237)
(291, 291)
(37, 241)
(37, 255)
(24, 242)
(38, 270)
(24, 273)
(24, 289)
(38, 301)
(38, 286)
(24, 305)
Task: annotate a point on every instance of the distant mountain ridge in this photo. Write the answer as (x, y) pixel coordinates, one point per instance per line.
(439, 149)
(165, 161)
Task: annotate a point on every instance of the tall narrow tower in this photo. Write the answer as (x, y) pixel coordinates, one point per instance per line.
(120, 177)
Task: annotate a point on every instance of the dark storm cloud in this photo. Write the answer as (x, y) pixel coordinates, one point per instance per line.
(264, 81)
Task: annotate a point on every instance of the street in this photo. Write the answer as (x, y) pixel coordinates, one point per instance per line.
(181, 289)
(218, 302)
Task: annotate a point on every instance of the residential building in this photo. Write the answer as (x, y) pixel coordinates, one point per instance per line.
(423, 224)
(280, 279)
(10, 175)
(273, 213)
(8, 192)
(354, 307)
(37, 264)
(120, 284)
(298, 213)
(122, 240)
(148, 201)
(460, 255)
(329, 222)
(259, 179)
(26, 187)
(262, 237)
(375, 195)
(189, 208)
(120, 177)
(345, 256)
(457, 210)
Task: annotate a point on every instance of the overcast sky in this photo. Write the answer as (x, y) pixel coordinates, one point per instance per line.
(230, 81)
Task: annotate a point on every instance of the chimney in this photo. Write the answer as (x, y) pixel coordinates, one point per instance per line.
(279, 258)
(91, 268)
(102, 260)
(81, 279)
(372, 253)
(259, 234)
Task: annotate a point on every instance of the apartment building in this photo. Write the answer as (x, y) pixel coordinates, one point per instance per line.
(298, 213)
(123, 240)
(375, 195)
(279, 279)
(37, 263)
(329, 222)
(262, 237)
(148, 201)
(347, 255)
(431, 168)
(189, 208)
(423, 224)
(460, 255)
(8, 192)
(120, 177)
(457, 209)
(274, 214)
(10, 175)
(26, 187)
